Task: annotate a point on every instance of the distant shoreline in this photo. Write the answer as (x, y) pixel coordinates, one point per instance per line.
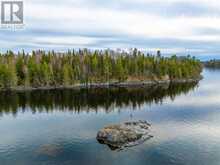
(106, 85)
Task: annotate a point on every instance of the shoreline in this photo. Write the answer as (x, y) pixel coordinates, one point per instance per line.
(107, 85)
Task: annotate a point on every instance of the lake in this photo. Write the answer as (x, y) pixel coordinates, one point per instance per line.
(59, 126)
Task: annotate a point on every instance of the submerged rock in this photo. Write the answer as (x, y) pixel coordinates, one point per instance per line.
(124, 135)
(49, 150)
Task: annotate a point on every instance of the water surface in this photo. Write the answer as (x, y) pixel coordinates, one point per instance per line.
(59, 126)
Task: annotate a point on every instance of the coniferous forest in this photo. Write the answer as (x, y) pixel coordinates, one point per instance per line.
(215, 63)
(53, 69)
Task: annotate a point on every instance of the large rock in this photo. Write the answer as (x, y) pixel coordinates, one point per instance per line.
(124, 135)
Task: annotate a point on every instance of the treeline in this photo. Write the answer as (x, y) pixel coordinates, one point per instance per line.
(40, 68)
(212, 64)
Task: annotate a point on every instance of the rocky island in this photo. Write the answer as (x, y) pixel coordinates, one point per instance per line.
(124, 135)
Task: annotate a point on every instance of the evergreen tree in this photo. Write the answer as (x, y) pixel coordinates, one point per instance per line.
(42, 68)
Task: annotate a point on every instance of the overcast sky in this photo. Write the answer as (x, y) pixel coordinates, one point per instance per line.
(173, 26)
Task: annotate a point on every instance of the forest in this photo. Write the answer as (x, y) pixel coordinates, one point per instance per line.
(54, 69)
(214, 63)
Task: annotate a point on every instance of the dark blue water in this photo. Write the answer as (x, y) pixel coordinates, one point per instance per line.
(59, 127)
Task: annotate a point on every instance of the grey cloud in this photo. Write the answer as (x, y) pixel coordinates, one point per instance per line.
(166, 9)
(207, 31)
(105, 40)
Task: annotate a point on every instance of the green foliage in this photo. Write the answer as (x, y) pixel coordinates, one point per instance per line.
(8, 76)
(84, 66)
(66, 75)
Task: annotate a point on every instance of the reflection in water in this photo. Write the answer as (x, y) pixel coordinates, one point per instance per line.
(79, 100)
(186, 128)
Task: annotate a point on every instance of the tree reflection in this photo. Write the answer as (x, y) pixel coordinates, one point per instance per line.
(79, 100)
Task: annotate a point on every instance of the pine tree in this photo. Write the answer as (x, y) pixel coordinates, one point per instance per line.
(42, 68)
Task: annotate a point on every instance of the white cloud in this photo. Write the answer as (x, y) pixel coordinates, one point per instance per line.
(81, 17)
(133, 23)
(65, 40)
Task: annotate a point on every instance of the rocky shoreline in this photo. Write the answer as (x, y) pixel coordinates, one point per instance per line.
(106, 85)
(128, 134)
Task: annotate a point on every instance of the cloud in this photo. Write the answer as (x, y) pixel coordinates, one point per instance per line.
(174, 25)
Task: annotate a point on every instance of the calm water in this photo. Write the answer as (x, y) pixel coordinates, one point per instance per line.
(59, 127)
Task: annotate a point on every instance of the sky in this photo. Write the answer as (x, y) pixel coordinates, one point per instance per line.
(174, 26)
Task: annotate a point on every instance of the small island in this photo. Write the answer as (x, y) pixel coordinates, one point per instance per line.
(93, 68)
(127, 134)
